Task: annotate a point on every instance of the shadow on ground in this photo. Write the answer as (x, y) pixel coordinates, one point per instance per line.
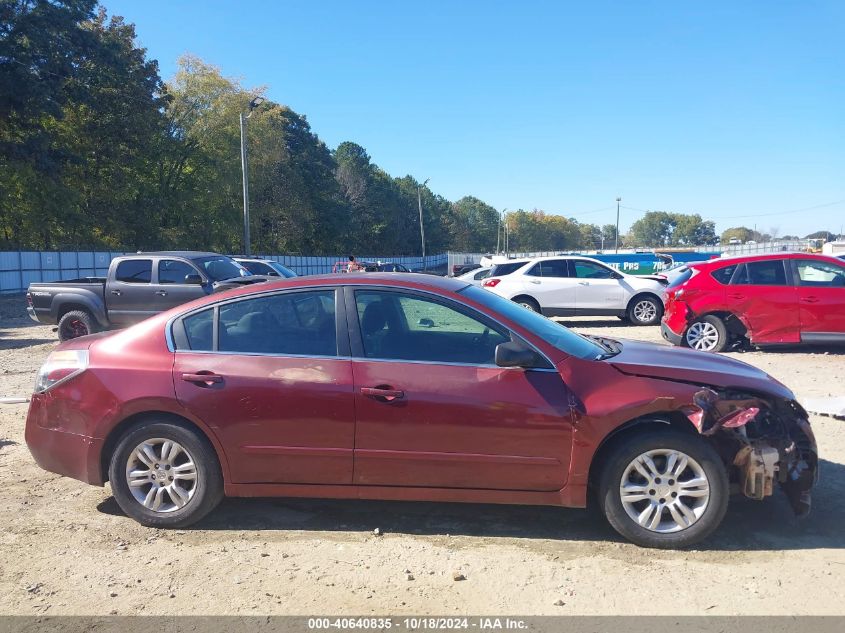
(748, 525)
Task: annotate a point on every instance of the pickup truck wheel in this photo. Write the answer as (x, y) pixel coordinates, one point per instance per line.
(165, 475)
(664, 489)
(76, 323)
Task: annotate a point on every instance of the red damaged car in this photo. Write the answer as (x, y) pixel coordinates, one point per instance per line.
(778, 298)
(412, 387)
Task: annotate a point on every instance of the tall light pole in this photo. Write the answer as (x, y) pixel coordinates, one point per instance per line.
(252, 105)
(618, 200)
(422, 228)
(500, 228)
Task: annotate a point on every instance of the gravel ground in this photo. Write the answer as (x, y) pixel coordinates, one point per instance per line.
(65, 547)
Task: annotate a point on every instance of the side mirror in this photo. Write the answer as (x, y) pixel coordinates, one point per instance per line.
(425, 322)
(513, 354)
(193, 279)
(615, 275)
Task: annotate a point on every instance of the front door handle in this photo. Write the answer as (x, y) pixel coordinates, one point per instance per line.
(736, 296)
(383, 393)
(534, 281)
(116, 293)
(203, 379)
(810, 299)
(583, 283)
(161, 293)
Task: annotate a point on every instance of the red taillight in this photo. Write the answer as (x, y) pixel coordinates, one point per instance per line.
(491, 283)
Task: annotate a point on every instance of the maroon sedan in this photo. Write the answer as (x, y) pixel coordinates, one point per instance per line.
(412, 387)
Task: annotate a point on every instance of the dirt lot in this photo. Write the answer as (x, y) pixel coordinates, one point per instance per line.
(65, 547)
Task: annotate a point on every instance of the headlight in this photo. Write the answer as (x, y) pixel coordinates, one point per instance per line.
(60, 366)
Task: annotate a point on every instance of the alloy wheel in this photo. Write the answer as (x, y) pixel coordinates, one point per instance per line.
(161, 475)
(703, 336)
(645, 311)
(664, 490)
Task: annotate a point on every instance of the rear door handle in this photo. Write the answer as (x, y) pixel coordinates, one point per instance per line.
(382, 393)
(203, 379)
(736, 296)
(117, 293)
(810, 300)
(161, 293)
(534, 281)
(583, 283)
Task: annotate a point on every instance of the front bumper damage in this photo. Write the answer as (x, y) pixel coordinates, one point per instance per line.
(763, 439)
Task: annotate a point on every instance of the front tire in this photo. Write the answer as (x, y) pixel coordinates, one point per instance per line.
(165, 475)
(645, 311)
(76, 323)
(707, 334)
(664, 489)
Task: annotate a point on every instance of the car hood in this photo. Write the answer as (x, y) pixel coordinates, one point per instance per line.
(237, 282)
(700, 368)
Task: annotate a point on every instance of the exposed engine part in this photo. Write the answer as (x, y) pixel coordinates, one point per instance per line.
(758, 466)
(764, 438)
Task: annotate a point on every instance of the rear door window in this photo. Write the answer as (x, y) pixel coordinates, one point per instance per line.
(291, 323)
(551, 268)
(199, 330)
(135, 271)
(763, 273)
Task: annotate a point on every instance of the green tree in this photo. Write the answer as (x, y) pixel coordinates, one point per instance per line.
(472, 225)
(742, 233)
(654, 229)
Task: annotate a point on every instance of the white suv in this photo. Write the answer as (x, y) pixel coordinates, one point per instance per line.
(577, 286)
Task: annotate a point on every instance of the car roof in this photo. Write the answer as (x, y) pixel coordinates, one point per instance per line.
(741, 259)
(418, 281)
(185, 254)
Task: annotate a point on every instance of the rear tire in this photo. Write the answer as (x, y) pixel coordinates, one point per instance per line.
(528, 302)
(645, 310)
(174, 473)
(677, 489)
(76, 323)
(707, 334)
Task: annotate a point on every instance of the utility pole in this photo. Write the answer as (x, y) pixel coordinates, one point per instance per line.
(244, 168)
(422, 228)
(618, 200)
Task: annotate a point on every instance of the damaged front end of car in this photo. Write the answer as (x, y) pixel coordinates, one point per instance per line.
(765, 439)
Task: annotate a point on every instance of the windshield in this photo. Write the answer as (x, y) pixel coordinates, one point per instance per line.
(552, 333)
(283, 271)
(220, 267)
(681, 279)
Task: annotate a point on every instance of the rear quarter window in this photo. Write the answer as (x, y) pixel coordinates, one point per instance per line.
(723, 275)
(501, 270)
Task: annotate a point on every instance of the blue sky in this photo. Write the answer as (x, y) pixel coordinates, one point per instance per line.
(735, 110)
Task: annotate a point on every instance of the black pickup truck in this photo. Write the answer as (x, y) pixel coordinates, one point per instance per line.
(137, 287)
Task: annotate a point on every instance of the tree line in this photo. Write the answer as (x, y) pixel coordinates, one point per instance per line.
(97, 151)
